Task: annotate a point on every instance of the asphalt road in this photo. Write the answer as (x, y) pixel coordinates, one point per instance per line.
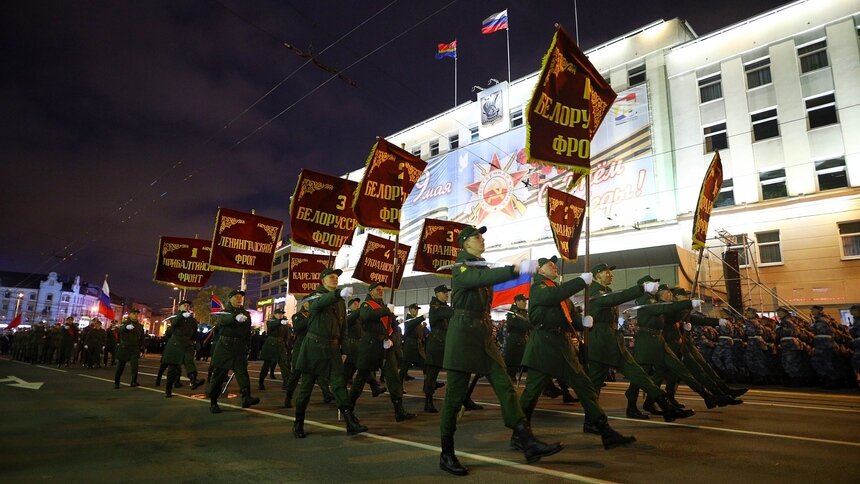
(75, 427)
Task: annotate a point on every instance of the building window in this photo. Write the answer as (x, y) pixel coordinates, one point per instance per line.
(812, 56)
(831, 173)
(266, 279)
(710, 88)
(636, 75)
(768, 247)
(417, 151)
(715, 137)
(473, 134)
(434, 147)
(517, 117)
(821, 110)
(739, 243)
(454, 141)
(726, 198)
(773, 184)
(758, 73)
(33, 296)
(276, 261)
(849, 233)
(65, 299)
(764, 124)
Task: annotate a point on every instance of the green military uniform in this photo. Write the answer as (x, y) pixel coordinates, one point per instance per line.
(130, 345)
(96, 338)
(110, 344)
(274, 350)
(350, 347)
(414, 344)
(440, 314)
(231, 353)
(68, 336)
(180, 350)
(518, 327)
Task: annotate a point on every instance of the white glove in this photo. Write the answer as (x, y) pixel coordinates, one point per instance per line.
(129, 327)
(387, 344)
(528, 267)
(697, 303)
(399, 320)
(688, 326)
(587, 321)
(651, 287)
(241, 318)
(283, 322)
(587, 277)
(347, 292)
(86, 347)
(723, 322)
(186, 314)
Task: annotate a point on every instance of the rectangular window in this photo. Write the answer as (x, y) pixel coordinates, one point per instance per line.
(517, 117)
(710, 88)
(276, 261)
(474, 135)
(417, 151)
(434, 147)
(453, 141)
(821, 110)
(758, 73)
(812, 56)
(65, 299)
(831, 173)
(726, 198)
(773, 184)
(849, 233)
(266, 279)
(715, 137)
(636, 75)
(768, 247)
(764, 124)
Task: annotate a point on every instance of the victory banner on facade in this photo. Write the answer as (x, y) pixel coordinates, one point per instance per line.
(244, 242)
(183, 262)
(566, 214)
(304, 272)
(388, 179)
(377, 262)
(321, 211)
(569, 103)
(438, 245)
(711, 186)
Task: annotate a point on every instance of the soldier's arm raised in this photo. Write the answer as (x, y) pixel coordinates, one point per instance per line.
(469, 278)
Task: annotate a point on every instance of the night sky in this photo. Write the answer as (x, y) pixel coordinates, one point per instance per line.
(124, 121)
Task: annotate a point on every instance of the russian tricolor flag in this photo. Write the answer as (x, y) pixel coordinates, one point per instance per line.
(495, 22)
(504, 293)
(105, 308)
(215, 304)
(447, 50)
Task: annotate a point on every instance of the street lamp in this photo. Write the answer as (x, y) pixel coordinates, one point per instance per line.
(18, 302)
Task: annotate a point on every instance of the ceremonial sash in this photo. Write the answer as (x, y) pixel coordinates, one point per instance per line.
(386, 320)
(565, 305)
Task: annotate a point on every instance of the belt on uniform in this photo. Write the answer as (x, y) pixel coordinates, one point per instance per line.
(331, 343)
(472, 314)
(556, 330)
(651, 331)
(231, 338)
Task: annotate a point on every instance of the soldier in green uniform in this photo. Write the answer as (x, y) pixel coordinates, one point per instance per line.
(68, 336)
(518, 327)
(96, 338)
(414, 341)
(440, 314)
(274, 350)
(549, 352)
(180, 348)
(231, 351)
(376, 350)
(300, 329)
(606, 347)
(320, 354)
(110, 344)
(130, 347)
(471, 348)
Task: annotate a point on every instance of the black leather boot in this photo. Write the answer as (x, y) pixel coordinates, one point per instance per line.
(262, 382)
(375, 388)
(428, 404)
(567, 397)
(400, 414)
(352, 425)
(288, 400)
(168, 389)
(610, 437)
(671, 412)
(470, 404)
(448, 460)
(299, 426)
(590, 428)
(160, 374)
(134, 382)
(247, 399)
(213, 405)
(633, 412)
(650, 407)
(532, 448)
(195, 383)
(328, 396)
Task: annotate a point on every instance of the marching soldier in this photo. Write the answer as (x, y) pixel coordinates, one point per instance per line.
(606, 348)
(180, 348)
(94, 343)
(110, 344)
(440, 314)
(414, 336)
(376, 350)
(470, 348)
(300, 329)
(231, 351)
(793, 351)
(353, 335)
(320, 355)
(129, 348)
(518, 326)
(69, 334)
(550, 353)
(275, 348)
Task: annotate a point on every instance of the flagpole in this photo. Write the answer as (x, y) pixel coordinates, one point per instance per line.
(508, 37)
(455, 75)
(587, 262)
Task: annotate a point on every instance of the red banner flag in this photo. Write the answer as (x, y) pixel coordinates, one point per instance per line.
(390, 175)
(14, 323)
(566, 214)
(377, 262)
(569, 103)
(305, 270)
(711, 186)
(244, 242)
(438, 245)
(321, 211)
(183, 262)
